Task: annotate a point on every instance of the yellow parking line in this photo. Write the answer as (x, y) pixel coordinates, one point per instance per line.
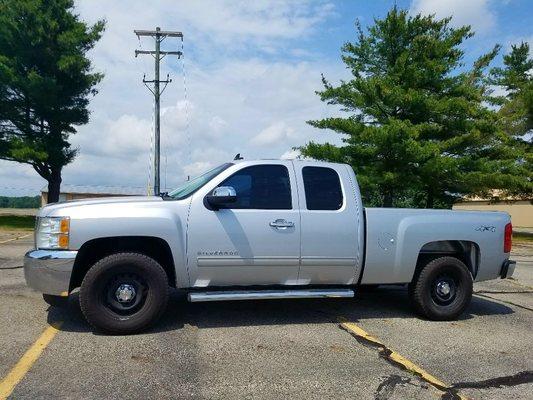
(17, 238)
(397, 358)
(18, 372)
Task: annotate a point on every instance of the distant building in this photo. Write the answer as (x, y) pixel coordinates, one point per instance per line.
(77, 192)
(521, 211)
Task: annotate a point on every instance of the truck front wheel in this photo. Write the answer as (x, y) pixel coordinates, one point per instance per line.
(124, 293)
(442, 290)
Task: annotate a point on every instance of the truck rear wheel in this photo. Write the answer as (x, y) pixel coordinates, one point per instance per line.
(124, 293)
(442, 290)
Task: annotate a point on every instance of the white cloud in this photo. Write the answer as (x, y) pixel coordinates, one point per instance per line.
(177, 116)
(476, 13)
(264, 18)
(197, 168)
(517, 40)
(208, 23)
(126, 136)
(275, 133)
(19, 179)
(217, 124)
(290, 155)
(240, 99)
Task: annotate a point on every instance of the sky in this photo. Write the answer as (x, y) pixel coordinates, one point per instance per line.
(246, 83)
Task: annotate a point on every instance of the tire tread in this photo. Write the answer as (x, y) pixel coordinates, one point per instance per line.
(88, 311)
(417, 289)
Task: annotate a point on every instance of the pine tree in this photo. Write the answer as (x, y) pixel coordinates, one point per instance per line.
(45, 82)
(516, 112)
(516, 78)
(417, 131)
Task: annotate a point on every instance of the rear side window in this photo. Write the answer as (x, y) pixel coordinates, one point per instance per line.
(322, 188)
(265, 187)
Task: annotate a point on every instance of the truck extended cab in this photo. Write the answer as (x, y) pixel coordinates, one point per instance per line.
(259, 230)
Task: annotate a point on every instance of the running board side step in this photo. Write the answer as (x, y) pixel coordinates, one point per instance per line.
(221, 295)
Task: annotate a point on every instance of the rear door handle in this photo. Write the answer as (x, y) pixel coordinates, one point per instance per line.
(281, 224)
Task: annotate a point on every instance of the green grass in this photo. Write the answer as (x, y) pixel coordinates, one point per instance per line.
(522, 237)
(25, 222)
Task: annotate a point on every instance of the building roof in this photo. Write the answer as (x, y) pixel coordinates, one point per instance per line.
(494, 195)
(101, 189)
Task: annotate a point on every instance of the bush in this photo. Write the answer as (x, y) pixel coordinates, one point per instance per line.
(20, 202)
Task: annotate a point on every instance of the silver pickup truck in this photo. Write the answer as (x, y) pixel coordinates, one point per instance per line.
(266, 229)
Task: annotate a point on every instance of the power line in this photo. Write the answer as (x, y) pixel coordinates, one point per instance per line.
(187, 117)
(158, 55)
(149, 184)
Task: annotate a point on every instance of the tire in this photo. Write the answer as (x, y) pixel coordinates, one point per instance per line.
(124, 293)
(442, 290)
(55, 301)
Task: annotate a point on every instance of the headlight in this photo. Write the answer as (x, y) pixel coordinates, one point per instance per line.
(52, 233)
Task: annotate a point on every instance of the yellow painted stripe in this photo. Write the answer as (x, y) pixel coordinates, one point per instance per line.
(395, 356)
(18, 372)
(17, 238)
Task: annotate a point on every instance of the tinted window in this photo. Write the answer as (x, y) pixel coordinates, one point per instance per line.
(322, 188)
(261, 187)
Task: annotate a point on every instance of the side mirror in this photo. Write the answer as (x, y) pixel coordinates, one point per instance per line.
(222, 196)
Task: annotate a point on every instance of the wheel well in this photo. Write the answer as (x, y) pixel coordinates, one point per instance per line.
(464, 250)
(96, 249)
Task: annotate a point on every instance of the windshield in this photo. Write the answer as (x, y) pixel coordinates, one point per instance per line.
(193, 185)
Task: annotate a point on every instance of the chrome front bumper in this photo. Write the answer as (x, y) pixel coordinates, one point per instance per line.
(49, 271)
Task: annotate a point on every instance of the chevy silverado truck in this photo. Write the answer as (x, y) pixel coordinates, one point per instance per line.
(266, 229)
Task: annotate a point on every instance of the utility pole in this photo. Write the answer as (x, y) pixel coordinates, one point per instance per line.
(158, 55)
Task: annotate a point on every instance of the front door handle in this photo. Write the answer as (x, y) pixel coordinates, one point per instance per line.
(281, 224)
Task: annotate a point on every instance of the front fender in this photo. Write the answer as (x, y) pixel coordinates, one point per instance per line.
(164, 220)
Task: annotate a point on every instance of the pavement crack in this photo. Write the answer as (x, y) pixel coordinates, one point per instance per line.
(17, 267)
(398, 361)
(503, 291)
(386, 388)
(514, 282)
(510, 380)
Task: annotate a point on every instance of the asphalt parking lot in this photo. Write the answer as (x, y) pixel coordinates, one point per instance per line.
(371, 347)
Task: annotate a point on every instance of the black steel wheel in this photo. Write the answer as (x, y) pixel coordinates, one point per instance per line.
(124, 293)
(442, 290)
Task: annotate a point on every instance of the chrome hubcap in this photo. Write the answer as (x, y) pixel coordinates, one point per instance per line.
(125, 293)
(443, 288)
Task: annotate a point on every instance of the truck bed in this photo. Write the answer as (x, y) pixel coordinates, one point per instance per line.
(396, 237)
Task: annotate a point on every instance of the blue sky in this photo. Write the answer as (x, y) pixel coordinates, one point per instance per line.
(503, 22)
(251, 72)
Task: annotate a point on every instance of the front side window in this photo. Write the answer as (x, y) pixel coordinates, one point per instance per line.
(322, 188)
(265, 187)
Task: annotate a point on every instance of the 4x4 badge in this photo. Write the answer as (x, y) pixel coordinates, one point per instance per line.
(484, 228)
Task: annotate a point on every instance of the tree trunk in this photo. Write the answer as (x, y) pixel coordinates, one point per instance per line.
(387, 198)
(54, 184)
(430, 200)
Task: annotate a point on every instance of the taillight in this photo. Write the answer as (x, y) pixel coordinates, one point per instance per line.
(508, 238)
